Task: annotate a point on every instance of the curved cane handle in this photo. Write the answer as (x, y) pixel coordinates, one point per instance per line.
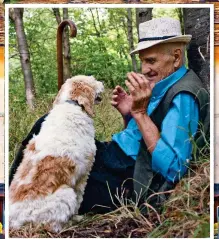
(73, 33)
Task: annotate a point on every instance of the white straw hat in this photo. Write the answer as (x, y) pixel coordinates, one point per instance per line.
(160, 30)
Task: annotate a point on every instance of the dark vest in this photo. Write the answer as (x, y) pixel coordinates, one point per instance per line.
(146, 182)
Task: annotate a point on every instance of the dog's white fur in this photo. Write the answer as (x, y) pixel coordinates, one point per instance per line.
(66, 134)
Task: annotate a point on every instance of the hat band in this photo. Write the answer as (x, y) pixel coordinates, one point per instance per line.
(155, 38)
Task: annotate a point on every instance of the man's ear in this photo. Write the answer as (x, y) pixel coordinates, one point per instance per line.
(178, 58)
(84, 95)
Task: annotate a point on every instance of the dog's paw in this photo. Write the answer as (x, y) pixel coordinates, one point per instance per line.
(53, 227)
(15, 224)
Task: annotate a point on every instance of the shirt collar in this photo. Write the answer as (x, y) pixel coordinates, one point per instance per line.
(162, 86)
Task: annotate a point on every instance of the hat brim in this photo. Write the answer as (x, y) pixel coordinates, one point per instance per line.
(146, 44)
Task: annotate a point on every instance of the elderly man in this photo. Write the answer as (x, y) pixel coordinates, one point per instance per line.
(161, 116)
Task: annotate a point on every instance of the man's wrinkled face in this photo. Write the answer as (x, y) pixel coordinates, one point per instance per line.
(157, 62)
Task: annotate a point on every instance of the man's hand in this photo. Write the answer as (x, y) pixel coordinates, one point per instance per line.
(140, 90)
(121, 101)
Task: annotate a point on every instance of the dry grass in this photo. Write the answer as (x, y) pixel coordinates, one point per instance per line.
(185, 214)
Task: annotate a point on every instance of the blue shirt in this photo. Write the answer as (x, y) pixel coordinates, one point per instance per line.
(173, 150)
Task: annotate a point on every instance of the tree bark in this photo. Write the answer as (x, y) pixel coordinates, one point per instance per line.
(97, 27)
(17, 16)
(143, 15)
(197, 23)
(130, 37)
(180, 16)
(57, 15)
(94, 23)
(67, 54)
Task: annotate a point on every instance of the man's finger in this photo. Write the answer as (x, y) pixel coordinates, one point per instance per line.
(133, 81)
(113, 103)
(120, 89)
(130, 87)
(114, 97)
(138, 78)
(142, 80)
(115, 91)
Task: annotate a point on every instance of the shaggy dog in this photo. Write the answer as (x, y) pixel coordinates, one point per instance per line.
(49, 184)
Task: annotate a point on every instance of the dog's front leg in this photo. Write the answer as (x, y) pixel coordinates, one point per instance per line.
(79, 189)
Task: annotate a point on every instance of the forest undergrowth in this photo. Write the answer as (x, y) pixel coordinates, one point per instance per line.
(186, 213)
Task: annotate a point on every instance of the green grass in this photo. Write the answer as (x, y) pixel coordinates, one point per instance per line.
(185, 214)
(21, 120)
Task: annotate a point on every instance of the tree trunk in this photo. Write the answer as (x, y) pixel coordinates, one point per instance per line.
(94, 23)
(143, 15)
(197, 23)
(66, 43)
(98, 26)
(57, 15)
(130, 37)
(180, 16)
(67, 54)
(17, 16)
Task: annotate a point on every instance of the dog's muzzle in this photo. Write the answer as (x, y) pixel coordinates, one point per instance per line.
(98, 99)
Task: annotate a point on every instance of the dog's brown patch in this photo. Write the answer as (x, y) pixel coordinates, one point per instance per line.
(84, 95)
(25, 169)
(50, 174)
(22, 172)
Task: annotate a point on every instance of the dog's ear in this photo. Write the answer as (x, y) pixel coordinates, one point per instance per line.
(84, 95)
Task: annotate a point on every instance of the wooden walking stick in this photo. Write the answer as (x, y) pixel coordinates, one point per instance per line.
(73, 33)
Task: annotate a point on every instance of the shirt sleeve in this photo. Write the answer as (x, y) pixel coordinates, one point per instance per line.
(173, 150)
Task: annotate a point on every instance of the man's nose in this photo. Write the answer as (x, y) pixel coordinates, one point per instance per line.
(145, 69)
